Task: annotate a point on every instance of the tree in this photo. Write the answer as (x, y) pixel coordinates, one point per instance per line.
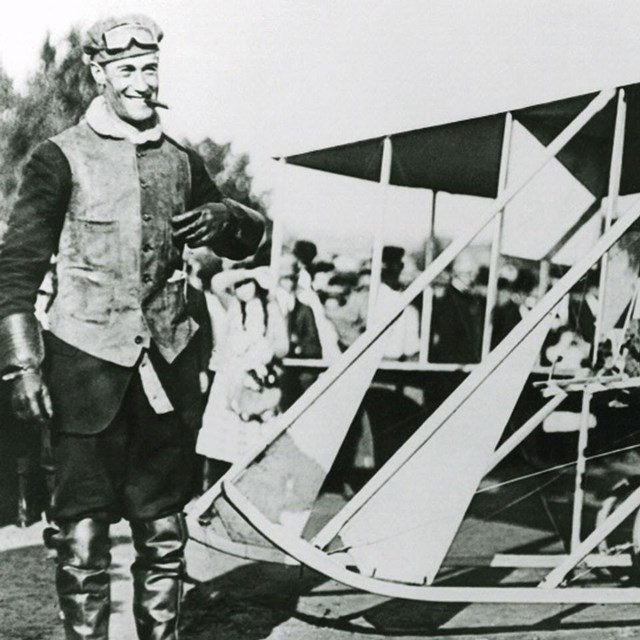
(7, 94)
(56, 96)
(230, 172)
(8, 99)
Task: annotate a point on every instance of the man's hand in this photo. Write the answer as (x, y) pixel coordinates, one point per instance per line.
(198, 227)
(30, 398)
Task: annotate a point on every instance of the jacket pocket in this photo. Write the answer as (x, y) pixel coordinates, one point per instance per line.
(87, 294)
(98, 242)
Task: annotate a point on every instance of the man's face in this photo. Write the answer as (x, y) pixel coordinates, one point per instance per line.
(127, 83)
(287, 282)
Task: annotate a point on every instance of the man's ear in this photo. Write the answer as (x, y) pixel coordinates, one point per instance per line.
(97, 72)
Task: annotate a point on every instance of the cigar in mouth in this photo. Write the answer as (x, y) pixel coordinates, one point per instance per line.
(156, 103)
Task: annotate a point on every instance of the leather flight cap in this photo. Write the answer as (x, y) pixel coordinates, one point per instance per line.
(119, 38)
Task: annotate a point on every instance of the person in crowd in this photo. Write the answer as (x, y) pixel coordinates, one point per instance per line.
(359, 298)
(304, 338)
(117, 200)
(322, 272)
(305, 253)
(507, 313)
(246, 393)
(481, 282)
(311, 336)
(344, 311)
(456, 325)
(569, 344)
(199, 272)
(403, 337)
(583, 306)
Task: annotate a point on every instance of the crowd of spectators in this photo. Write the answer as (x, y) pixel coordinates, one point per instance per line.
(318, 306)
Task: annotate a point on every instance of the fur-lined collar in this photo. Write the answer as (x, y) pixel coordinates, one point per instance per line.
(105, 123)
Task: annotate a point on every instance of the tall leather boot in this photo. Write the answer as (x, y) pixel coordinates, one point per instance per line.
(157, 576)
(82, 578)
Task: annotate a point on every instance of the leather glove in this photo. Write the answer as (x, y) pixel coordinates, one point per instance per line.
(200, 226)
(30, 398)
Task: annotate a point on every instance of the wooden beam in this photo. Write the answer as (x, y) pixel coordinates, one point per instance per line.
(555, 577)
(475, 379)
(308, 555)
(581, 468)
(615, 175)
(585, 216)
(373, 333)
(277, 237)
(517, 438)
(537, 561)
(427, 294)
(496, 243)
(378, 237)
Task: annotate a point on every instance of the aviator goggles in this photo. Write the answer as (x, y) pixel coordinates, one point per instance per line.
(122, 37)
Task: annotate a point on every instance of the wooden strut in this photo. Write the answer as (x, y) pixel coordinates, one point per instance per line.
(613, 192)
(473, 381)
(307, 554)
(200, 534)
(427, 295)
(581, 470)
(518, 437)
(496, 242)
(316, 559)
(371, 335)
(277, 238)
(556, 576)
(378, 238)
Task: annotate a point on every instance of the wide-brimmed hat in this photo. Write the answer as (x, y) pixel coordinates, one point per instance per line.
(260, 275)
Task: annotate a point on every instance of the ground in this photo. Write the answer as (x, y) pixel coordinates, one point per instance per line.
(231, 599)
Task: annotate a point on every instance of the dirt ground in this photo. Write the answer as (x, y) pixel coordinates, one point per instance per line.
(231, 599)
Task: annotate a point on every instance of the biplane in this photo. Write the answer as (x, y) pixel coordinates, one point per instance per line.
(393, 537)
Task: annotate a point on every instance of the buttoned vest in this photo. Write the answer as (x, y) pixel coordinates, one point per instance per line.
(119, 284)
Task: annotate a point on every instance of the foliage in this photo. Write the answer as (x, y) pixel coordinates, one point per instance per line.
(230, 172)
(231, 175)
(8, 98)
(7, 94)
(56, 96)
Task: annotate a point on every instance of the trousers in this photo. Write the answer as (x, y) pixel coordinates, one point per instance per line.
(140, 467)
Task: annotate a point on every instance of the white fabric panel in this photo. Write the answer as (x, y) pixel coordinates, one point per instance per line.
(319, 432)
(405, 529)
(285, 481)
(547, 208)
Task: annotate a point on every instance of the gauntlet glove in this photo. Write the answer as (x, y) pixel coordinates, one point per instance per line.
(228, 227)
(21, 354)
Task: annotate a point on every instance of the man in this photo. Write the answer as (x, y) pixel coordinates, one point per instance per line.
(116, 200)
(456, 322)
(403, 337)
(305, 253)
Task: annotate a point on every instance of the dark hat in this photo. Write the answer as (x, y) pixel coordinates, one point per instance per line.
(392, 255)
(483, 275)
(305, 251)
(345, 279)
(121, 37)
(526, 281)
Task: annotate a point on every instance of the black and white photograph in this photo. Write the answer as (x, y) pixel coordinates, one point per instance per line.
(320, 320)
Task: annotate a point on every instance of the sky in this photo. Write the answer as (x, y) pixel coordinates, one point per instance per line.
(281, 76)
